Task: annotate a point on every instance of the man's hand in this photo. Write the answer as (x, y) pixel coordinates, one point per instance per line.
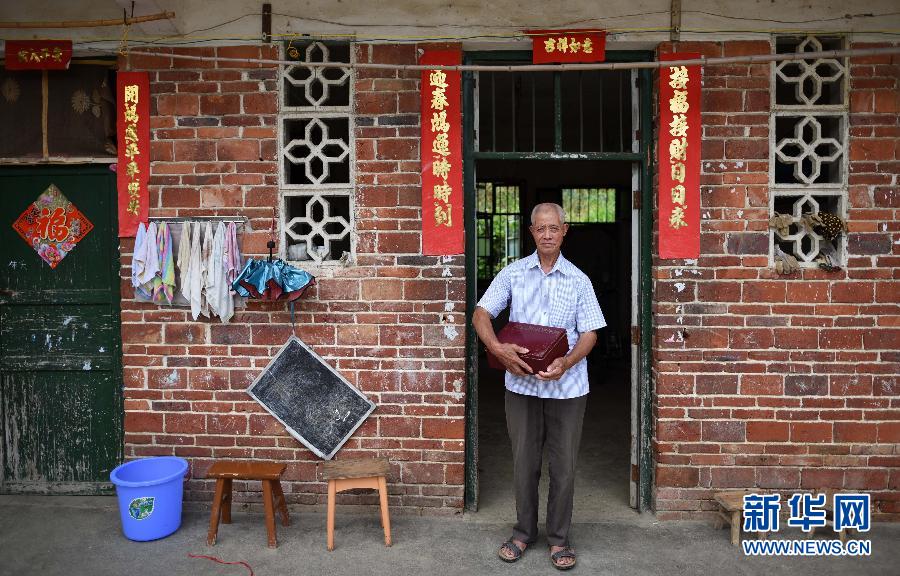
(555, 370)
(508, 355)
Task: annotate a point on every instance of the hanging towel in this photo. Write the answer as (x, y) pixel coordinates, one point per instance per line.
(137, 262)
(150, 257)
(204, 267)
(164, 282)
(214, 269)
(233, 262)
(184, 260)
(218, 293)
(195, 279)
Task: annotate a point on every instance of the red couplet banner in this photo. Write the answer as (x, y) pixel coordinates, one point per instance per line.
(133, 169)
(679, 158)
(564, 46)
(441, 151)
(38, 54)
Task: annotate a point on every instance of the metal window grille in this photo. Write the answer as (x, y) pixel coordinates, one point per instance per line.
(589, 205)
(809, 134)
(316, 153)
(499, 227)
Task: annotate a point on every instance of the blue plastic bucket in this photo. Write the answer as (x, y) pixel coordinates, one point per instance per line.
(150, 492)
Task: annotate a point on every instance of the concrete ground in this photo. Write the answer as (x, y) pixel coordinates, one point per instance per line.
(81, 536)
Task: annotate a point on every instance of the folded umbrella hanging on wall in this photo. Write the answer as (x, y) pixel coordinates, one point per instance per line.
(272, 279)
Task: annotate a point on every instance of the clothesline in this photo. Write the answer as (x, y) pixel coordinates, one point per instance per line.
(200, 219)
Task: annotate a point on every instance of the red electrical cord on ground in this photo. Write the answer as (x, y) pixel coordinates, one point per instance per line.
(214, 559)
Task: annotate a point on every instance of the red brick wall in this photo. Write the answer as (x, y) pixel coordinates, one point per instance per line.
(771, 382)
(393, 323)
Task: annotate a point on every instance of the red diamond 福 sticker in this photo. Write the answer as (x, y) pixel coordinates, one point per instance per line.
(52, 226)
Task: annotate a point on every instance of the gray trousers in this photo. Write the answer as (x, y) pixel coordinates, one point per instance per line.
(533, 423)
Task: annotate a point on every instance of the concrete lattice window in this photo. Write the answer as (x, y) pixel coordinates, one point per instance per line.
(809, 136)
(316, 159)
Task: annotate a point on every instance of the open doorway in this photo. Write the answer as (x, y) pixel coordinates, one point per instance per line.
(569, 138)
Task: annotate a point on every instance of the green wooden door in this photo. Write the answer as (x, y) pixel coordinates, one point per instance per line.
(60, 359)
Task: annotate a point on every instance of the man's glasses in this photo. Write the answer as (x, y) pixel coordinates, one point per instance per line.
(551, 229)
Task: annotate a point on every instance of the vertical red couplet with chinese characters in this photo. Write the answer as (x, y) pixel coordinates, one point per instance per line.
(38, 54)
(133, 129)
(572, 46)
(679, 158)
(441, 150)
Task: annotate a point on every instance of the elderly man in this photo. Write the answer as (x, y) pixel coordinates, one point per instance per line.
(548, 407)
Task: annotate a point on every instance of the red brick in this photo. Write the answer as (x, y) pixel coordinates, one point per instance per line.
(805, 385)
(229, 334)
(390, 427)
(852, 292)
(762, 385)
(270, 335)
(167, 378)
(143, 422)
(802, 292)
(357, 335)
(889, 433)
(796, 338)
(400, 335)
(265, 425)
(451, 428)
(751, 338)
(195, 150)
(421, 473)
(221, 196)
(145, 333)
(398, 149)
(220, 104)
(867, 480)
(185, 334)
(840, 339)
(767, 431)
(677, 476)
(811, 432)
(376, 103)
(177, 105)
(678, 431)
(732, 477)
(237, 150)
(818, 478)
(746, 149)
(331, 289)
(882, 339)
(185, 424)
(722, 100)
(887, 101)
(764, 291)
(398, 242)
(394, 53)
(381, 289)
(855, 432)
(771, 477)
(226, 424)
(719, 292)
(723, 431)
(717, 384)
(260, 103)
(425, 290)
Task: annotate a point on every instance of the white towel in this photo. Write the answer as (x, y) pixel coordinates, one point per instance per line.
(137, 262)
(204, 267)
(148, 258)
(218, 293)
(195, 278)
(184, 260)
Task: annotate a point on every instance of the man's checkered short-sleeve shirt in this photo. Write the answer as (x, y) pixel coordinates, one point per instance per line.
(563, 298)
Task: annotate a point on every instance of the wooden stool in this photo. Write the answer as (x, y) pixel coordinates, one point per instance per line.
(273, 497)
(349, 474)
(732, 502)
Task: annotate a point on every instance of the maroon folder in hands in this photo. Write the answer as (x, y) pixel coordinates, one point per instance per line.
(544, 343)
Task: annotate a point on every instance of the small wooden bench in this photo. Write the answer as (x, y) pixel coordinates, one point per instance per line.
(268, 472)
(349, 474)
(732, 504)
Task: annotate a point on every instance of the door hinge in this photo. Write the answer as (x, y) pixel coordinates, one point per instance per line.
(636, 200)
(636, 335)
